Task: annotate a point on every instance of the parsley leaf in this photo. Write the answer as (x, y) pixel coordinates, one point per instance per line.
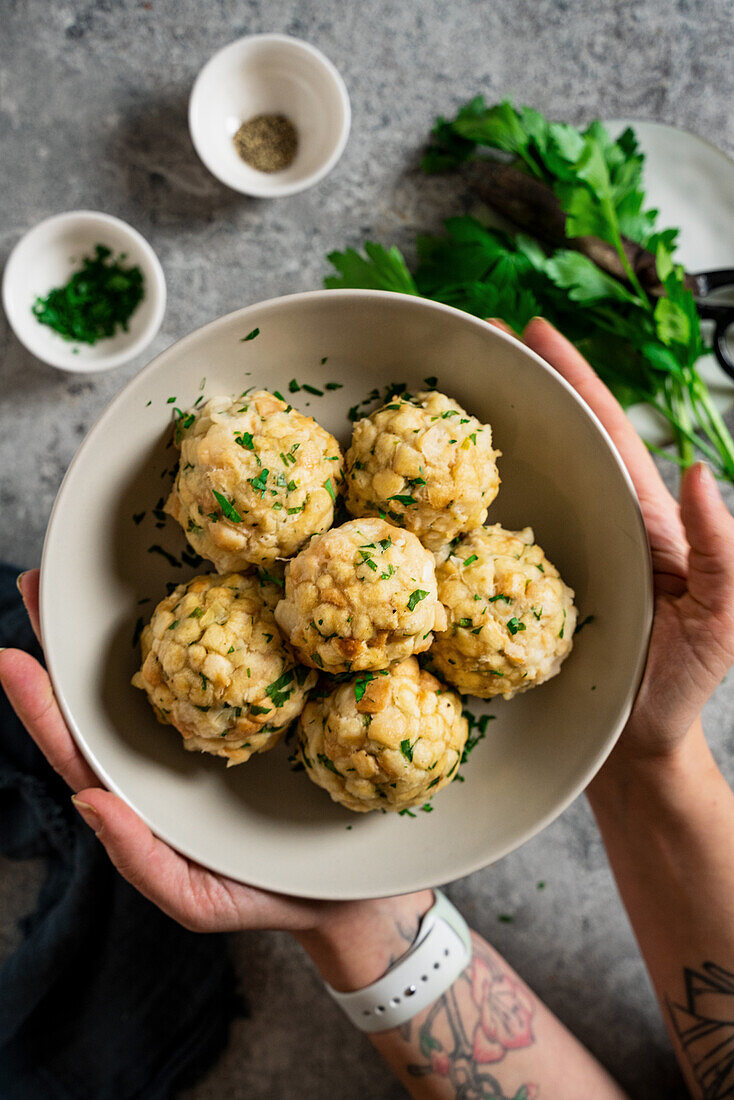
(415, 598)
(228, 509)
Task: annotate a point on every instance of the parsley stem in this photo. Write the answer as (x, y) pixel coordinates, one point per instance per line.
(703, 398)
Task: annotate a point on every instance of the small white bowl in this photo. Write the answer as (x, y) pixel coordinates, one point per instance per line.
(47, 256)
(269, 74)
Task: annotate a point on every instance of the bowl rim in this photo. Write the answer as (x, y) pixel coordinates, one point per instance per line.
(463, 869)
(156, 293)
(271, 189)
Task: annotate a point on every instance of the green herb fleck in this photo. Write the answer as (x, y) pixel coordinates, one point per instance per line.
(259, 483)
(228, 510)
(415, 598)
(328, 764)
(98, 299)
(244, 439)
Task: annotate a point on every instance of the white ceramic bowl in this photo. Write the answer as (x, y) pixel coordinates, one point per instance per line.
(47, 256)
(260, 822)
(269, 74)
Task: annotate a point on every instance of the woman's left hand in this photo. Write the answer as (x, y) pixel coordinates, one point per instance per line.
(198, 899)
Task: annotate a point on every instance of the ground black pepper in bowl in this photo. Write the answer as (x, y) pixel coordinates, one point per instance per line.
(267, 142)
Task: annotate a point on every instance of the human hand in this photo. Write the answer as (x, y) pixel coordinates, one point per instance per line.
(199, 899)
(692, 548)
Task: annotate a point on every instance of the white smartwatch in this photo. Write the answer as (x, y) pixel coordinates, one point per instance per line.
(442, 949)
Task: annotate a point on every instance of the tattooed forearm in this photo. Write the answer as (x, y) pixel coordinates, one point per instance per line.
(483, 1017)
(704, 1027)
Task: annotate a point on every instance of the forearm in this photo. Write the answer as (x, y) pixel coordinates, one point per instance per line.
(668, 827)
(488, 1035)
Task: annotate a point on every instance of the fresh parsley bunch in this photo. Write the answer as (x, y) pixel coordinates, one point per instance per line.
(628, 309)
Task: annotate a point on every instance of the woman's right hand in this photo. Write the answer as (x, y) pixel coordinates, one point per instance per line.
(692, 547)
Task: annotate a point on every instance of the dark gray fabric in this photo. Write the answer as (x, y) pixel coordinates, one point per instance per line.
(105, 998)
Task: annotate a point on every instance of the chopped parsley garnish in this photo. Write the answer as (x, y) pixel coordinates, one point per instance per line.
(431, 382)
(563, 625)
(367, 560)
(228, 510)
(330, 488)
(280, 397)
(404, 498)
(275, 690)
(230, 650)
(415, 598)
(312, 389)
(244, 439)
(406, 813)
(293, 386)
(174, 624)
(138, 517)
(259, 483)
(515, 626)
(473, 738)
(499, 596)
(170, 400)
(407, 750)
(156, 549)
(583, 623)
(256, 710)
(470, 559)
(250, 336)
(384, 543)
(332, 385)
(328, 764)
(270, 578)
(361, 682)
(204, 682)
(196, 613)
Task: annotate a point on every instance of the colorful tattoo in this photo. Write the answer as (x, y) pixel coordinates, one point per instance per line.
(704, 1026)
(461, 1044)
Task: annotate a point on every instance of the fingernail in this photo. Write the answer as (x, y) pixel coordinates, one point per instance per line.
(88, 813)
(707, 479)
(18, 579)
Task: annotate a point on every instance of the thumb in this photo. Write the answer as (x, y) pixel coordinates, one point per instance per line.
(710, 532)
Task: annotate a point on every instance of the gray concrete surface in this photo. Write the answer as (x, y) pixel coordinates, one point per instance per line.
(93, 114)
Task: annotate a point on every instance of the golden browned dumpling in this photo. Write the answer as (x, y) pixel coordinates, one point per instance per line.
(256, 479)
(510, 616)
(425, 464)
(216, 667)
(360, 596)
(385, 740)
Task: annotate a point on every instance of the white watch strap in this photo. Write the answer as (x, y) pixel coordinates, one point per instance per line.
(441, 951)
